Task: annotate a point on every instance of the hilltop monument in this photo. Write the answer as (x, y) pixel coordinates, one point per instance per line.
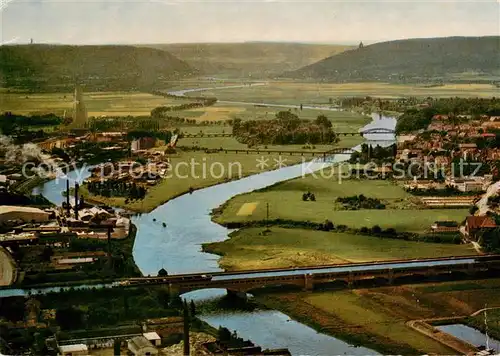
(79, 111)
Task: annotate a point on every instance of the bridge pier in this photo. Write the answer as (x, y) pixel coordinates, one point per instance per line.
(308, 282)
(390, 276)
(174, 291)
(350, 280)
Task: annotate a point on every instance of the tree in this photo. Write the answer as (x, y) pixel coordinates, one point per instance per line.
(193, 308)
(47, 253)
(69, 318)
(323, 121)
(376, 229)
(223, 335)
(116, 348)
(162, 272)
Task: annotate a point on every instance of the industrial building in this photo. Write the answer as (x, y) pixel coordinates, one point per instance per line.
(24, 213)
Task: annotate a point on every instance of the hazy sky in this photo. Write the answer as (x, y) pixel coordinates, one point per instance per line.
(167, 21)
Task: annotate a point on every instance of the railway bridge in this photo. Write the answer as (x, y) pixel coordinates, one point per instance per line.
(307, 278)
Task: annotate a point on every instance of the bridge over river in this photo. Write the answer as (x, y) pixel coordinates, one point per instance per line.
(309, 277)
(372, 131)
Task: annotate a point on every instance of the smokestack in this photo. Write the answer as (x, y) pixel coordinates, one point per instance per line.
(110, 260)
(68, 205)
(76, 200)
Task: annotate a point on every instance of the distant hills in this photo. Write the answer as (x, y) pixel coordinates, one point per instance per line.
(250, 59)
(55, 67)
(412, 60)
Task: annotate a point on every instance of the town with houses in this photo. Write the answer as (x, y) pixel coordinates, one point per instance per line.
(272, 188)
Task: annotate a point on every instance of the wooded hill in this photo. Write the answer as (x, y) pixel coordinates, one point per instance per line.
(250, 59)
(55, 67)
(412, 60)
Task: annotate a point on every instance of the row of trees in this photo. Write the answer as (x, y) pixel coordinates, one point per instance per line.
(116, 188)
(286, 128)
(162, 111)
(357, 202)
(378, 153)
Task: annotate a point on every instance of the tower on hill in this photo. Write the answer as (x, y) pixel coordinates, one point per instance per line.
(361, 45)
(79, 111)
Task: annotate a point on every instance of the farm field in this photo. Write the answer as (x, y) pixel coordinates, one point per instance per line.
(284, 92)
(185, 175)
(341, 122)
(377, 316)
(254, 248)
(97, 103)
(285, 202)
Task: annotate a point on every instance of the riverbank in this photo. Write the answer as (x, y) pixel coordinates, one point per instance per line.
(193, 170)
(277, 247)
(378, 317)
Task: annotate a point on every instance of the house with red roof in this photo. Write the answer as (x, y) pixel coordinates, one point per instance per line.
(476, 225)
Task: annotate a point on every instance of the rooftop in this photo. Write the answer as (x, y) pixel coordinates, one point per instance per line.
(140, 342)
(479, 222)
(72, 348)
(25, 209)
(152, 336)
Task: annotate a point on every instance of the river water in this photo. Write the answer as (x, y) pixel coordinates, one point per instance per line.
(471, 335)
(177, 248)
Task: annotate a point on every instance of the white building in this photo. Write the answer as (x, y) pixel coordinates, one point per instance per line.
(74, 350)
(140, 346)
(24, 213)
(153, 337)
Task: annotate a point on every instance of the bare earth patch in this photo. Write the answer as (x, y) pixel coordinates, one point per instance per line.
(247, 209)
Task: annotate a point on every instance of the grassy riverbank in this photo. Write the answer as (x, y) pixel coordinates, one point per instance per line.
(377, 317)
(370, 317)
(257, 248)
(186, 176)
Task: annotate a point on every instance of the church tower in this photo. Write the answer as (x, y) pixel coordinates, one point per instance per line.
(79, 111)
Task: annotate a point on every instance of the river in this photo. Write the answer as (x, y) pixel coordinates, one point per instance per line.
(177, 248)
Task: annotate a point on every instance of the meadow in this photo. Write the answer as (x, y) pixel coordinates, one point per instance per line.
(259, 248)
(97, 103)
(377, 317)
(186, 176)
(289, 92)
(285, 202)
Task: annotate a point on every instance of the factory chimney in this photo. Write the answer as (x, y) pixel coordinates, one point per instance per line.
(77, 186)
(68, 206)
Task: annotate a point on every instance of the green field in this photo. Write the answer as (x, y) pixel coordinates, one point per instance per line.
(341, 121)
(285, 202)
(252, 248)
(185, 175)
(97, 103)
(318, 93)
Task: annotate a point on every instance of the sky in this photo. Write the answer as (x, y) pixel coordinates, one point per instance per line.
(179, 21)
